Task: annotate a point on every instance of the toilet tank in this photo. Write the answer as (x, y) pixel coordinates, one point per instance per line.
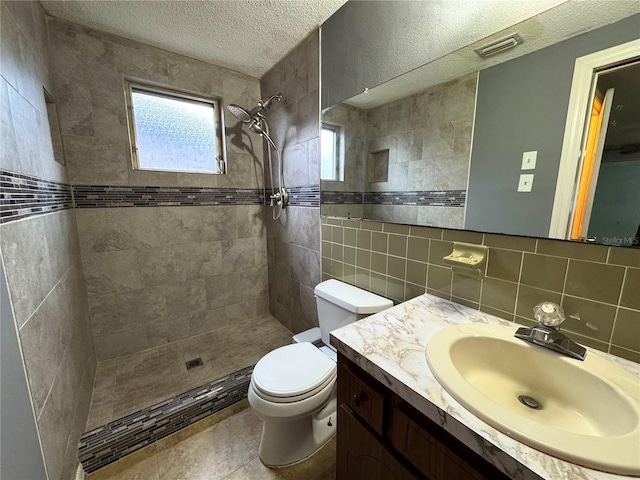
(340, 304)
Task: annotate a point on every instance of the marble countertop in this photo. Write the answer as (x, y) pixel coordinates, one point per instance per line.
(391, 347)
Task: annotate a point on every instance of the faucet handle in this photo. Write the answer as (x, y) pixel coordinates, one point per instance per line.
(549, 314)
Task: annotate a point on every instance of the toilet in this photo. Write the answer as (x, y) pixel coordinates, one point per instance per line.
(293, 388)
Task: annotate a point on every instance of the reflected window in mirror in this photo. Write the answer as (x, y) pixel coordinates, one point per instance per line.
(332, 153)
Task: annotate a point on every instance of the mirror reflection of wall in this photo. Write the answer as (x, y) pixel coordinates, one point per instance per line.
(409, 158)
(419, 164)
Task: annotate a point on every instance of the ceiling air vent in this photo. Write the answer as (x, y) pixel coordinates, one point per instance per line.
(499, 45)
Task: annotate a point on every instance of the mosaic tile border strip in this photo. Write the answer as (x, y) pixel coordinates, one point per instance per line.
(426, 198)
(23, 196)
(112, 196)
(342, 198)
(111, 442)
(444, 198)
(305, 196)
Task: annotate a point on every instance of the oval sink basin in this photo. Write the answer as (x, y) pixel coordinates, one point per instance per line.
(586, 412)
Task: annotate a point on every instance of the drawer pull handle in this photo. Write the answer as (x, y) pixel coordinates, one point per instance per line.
(358, 397)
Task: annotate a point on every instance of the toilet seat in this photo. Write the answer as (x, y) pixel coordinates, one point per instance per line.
(293, 373)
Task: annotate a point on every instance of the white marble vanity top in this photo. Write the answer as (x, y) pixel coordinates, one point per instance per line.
(391, 347)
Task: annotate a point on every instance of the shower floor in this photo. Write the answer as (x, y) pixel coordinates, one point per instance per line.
(129, 383)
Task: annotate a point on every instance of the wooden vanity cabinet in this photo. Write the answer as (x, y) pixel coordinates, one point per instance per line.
(381, 437)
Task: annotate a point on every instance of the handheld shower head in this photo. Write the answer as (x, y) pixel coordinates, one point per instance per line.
(240, 113)
(255, 119)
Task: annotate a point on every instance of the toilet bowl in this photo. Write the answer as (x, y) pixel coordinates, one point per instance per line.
(293, 388)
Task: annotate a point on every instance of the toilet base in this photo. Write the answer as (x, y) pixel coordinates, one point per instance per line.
(286, 443)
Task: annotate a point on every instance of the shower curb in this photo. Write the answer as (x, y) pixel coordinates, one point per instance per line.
(111, 442)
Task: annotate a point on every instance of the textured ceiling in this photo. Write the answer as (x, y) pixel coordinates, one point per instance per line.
(561, 22)
(248, 36)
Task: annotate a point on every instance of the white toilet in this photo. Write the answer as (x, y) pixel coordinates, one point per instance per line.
(293, 388)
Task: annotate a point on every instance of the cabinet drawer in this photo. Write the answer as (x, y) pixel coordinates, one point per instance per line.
(363, 397)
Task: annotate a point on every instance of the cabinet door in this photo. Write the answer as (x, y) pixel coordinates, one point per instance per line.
(361, 456)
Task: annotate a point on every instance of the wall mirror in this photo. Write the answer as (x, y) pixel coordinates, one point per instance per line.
(487, 150)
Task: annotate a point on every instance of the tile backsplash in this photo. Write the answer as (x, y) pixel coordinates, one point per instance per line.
(598, 286)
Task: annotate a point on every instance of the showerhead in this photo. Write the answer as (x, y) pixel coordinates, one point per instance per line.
(255, 119)
(240, 113)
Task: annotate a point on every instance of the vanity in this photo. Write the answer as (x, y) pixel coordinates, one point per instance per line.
(396, 421)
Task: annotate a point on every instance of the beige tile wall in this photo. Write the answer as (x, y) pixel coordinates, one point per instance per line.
(598, 286)
(159, 274)
(41, 254)
(293, 241)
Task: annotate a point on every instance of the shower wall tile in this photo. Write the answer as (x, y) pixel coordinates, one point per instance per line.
(122, 342)
(427, 139)
(41, 252)
(93, 110)
(294, 238)
(164, 282)
(158, 274)
(521, 272)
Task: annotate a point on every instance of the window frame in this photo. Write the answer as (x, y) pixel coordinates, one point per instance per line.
(220, 159)
(338, 149)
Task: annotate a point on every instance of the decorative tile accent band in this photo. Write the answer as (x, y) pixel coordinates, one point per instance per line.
(342, 198)
(305, 196)
(444, 198)
(433, 198)
(110, 442)
(23, 196)
(107, 196)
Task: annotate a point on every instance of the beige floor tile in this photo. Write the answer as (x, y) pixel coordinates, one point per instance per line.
(140, 465)
(222, 446)
(320, 466)
(215, 452)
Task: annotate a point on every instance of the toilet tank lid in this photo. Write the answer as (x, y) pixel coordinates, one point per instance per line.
(352, 298)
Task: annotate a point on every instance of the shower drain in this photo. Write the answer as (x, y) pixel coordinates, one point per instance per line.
(530, 402)
(196, 362)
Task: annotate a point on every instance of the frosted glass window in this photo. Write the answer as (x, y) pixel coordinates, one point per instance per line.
(331, 163)
(175, 133)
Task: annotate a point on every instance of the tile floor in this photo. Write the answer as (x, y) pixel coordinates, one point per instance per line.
(222, 446)
(129, 383)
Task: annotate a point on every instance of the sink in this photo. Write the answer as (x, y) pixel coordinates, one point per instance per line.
(586, 412)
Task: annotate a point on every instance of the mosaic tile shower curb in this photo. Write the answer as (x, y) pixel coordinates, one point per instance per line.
(111, 442)
(430, 198)
(23, 196)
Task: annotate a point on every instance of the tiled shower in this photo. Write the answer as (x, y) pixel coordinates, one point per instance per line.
(119, 277)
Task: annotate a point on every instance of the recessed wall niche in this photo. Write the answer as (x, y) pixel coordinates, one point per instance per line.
(54, 127)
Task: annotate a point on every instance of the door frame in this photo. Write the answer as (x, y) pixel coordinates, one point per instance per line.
(575, 127)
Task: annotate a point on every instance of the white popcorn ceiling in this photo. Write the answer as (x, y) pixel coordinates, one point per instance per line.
(568, 19)
(248, 36)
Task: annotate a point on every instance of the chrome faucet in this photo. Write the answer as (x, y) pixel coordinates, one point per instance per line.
(547, 334)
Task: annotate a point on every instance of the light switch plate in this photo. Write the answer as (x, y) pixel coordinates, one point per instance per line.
(529, 160)
(526, 182)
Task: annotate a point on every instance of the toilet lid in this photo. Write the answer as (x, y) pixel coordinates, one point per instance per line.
(293, 370)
